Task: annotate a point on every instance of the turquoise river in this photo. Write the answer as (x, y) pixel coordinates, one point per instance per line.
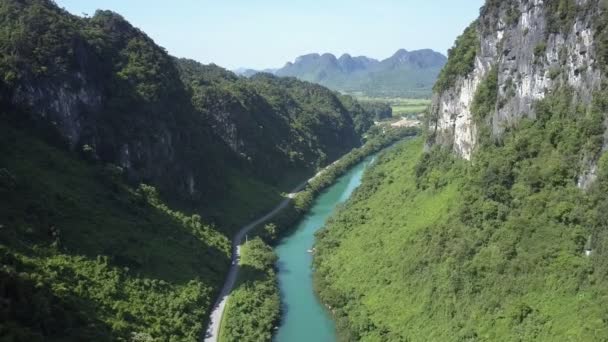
(304, 317)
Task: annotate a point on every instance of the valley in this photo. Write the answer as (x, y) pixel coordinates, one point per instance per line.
(490, 228)
(304, 318)
(399, 106)
(125, 173)
(145, 196)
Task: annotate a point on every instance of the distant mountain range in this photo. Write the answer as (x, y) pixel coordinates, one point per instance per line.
(250, 72)
(404, 74)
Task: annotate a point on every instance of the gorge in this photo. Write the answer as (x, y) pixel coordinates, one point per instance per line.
(137, 187)
(492, 227)
(125, 172)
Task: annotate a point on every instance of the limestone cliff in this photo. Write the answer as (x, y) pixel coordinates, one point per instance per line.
(104, 88)
(534, 46)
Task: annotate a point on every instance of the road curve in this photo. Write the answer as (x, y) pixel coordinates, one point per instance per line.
(213, 331)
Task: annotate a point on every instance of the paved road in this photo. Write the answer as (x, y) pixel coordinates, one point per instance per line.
(212, 333)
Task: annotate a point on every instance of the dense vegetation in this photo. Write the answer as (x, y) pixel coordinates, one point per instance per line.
(123, 172)
(492, 250)
(381, 110)
(193, 131)
(278, 125)
(510, 246)
(83, 255)
(253, 308)
(254, 305)
(461, 59)
(376, 141)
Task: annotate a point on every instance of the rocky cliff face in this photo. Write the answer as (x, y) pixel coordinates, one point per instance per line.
(108, 89)
(110, 92)
(534, 46)
(62, 104)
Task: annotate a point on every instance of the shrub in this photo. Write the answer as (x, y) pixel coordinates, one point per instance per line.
(461, 59)
(7, 180)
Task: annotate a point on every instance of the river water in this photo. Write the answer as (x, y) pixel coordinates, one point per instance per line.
(304, 317)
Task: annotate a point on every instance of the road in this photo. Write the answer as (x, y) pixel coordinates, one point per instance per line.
(212, 333)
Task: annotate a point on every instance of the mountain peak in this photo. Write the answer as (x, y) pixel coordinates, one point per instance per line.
(422, 59)
(345, 56)
(360, 73)
(305, 58)
(400, 52)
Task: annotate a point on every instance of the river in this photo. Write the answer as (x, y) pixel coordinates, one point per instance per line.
(304, 317)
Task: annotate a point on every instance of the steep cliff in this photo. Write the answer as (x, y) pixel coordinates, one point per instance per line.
(496, 230)
(534, 47)
(101, 83)
(91, 108)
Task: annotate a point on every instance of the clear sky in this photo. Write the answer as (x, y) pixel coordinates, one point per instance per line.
(267, 33)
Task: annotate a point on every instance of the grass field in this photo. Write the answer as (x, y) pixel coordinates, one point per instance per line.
(401, 106)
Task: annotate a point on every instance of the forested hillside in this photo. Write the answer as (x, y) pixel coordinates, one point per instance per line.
(276, 124)
(496, 229)
(125, 171)
(84, 256)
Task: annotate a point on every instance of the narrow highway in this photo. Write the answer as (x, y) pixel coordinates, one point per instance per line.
(212, 333)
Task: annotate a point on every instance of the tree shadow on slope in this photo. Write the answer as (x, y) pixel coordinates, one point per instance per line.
(253, 308)
(52, 199)
(31, 312)
(116, 253)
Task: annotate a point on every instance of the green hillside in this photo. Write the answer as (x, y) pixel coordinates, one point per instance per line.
(433, 248)
(125, 171)
(511, 244)
(86, 256)
(277, 125)
(103, 83)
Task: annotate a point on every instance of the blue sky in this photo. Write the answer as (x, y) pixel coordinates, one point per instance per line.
(267, 33)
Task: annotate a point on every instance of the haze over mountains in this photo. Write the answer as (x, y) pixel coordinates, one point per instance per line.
(404, 74)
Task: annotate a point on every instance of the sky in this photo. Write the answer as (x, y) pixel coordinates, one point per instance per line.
(263, 34)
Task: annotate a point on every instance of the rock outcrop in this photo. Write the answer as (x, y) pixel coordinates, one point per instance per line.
(106, 89)
(534, 46)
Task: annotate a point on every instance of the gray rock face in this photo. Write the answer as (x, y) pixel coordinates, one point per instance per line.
(62, 104)
(74, 104)
(530, 60)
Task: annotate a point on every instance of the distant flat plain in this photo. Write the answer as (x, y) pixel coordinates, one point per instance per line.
(401, 106)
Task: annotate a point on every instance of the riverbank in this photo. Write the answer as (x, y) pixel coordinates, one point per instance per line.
(302, 201)
(213, 331)
(241, 320)
(304, 318)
